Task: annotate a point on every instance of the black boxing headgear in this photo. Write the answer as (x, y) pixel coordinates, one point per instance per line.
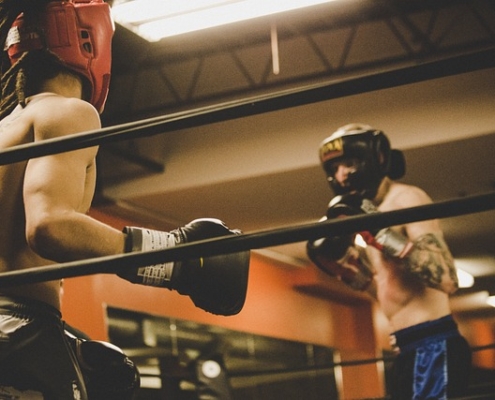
(370, 149)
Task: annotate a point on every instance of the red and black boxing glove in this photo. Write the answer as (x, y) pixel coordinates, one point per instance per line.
(389, 241)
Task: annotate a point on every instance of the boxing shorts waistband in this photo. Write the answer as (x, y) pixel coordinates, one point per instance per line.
(22, 306)
(410, 338)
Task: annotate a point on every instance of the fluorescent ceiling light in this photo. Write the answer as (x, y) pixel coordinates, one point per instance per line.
(490, 300)
(156, 19)
(465, 278)
(359, 241)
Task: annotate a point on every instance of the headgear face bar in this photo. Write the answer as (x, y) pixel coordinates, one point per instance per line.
(371, 150)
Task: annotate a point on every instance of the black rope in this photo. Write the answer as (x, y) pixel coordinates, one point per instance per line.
(347, 363)
(325, 366)
(252, 106)
(248, 241)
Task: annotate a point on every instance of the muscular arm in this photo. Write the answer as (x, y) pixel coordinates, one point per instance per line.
(58, 190)
(429, 259)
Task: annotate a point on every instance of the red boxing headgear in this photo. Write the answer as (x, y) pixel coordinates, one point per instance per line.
(79, 32)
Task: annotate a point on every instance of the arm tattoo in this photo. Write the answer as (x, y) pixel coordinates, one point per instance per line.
(431, 261)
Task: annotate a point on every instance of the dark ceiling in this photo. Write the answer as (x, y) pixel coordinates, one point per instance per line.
(239, 142)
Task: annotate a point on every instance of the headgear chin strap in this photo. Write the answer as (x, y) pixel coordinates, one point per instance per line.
(79, 32)
(374, 159)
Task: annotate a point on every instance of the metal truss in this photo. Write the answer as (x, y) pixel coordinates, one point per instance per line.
(344, 39)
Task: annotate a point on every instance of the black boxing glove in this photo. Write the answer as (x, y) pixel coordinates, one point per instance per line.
(334, 255)
(387, 240)
(390, 242)
(217, 284)
(345, 206)
(108, 373)
(350, 268)
(334, 248)
(349, 204)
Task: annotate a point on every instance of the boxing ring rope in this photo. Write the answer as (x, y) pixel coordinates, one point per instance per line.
(348, 363)
(252, 106)
(243, 108)
(248, 241)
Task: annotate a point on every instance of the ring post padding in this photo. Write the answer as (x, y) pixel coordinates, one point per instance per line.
(252, 106)
(256, 240)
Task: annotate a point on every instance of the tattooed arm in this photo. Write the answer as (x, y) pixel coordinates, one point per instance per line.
(427, 255)
(431, 261)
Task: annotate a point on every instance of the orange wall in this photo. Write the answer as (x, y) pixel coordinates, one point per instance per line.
(282, 301)
(480, 333)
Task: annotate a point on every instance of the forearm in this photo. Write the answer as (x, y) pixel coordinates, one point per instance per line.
(431, 261)
(427, 257)
(73, 236)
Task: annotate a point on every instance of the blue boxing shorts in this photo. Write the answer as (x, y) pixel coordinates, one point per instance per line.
(434, 361)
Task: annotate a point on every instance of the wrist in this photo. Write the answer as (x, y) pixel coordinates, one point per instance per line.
(393, 243)
(142, 239)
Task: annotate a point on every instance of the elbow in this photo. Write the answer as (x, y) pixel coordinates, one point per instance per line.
(41, 236)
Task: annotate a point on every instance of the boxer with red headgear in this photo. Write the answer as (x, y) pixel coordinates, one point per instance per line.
(407, 268)
(79, 32)
(54, 83)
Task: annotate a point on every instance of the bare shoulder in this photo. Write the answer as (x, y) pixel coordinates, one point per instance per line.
(55, 116)
(401, 195)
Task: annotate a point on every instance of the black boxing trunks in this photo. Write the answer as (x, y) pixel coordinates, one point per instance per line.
(36, 360)
(434, 361)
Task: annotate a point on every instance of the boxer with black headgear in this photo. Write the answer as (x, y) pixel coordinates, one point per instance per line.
(367, 151)
(407, 268)
(54, 83)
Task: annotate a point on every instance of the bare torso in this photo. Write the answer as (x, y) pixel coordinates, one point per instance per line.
(406, 301)
(15, 254)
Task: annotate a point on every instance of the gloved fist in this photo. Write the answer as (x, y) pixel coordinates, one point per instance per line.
(334, 248)
(349, 204)
(349, 267)
(335, 255)
(390, 242)
(108, 373)
(217, 284)
(345, 206)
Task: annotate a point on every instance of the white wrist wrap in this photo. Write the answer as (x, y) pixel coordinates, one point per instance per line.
(156, 275)
(394, 243)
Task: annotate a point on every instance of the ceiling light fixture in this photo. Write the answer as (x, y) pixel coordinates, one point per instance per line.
(156, 19)
(466, 280)
(490, 300)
